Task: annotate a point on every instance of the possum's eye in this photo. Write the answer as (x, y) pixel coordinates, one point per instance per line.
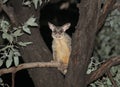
(61, 31)
(55, 32)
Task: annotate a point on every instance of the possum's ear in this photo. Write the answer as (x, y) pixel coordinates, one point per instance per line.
(51, 26)
(66, 26)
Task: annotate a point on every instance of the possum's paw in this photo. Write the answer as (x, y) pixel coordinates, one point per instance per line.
(63, 68)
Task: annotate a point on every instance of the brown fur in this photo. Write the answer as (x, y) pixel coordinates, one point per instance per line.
(61, 46)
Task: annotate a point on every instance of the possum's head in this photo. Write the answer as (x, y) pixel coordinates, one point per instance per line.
(58, 31)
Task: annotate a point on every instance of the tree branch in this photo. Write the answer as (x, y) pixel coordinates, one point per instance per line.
(117, 6)
(106, 9)
(10, 13)
(102, 69)
(27, 66)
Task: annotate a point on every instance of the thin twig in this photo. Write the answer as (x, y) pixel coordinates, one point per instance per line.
(13, 79)
(111, 78)
(117, 5)
(106, 9)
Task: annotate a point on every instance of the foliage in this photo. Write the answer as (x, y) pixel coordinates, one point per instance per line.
(4, 1)
(29, 3)
(10, 53)
(109, 37)
(35, 2)
(93, 64)
(2, 84)
(107, 45)
(9, 44)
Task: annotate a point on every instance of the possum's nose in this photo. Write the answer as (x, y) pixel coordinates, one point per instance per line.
(59, 36)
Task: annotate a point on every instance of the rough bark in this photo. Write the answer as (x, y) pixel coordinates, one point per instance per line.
(82, 43)
(90, 21)
(42, 77)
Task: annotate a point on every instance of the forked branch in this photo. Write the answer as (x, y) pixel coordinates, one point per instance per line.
(102, 69)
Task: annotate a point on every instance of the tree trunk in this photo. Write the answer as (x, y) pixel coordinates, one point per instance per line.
(42, 77)
(82, 43)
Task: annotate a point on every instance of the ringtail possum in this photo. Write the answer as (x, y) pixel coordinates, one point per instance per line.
(61, 45)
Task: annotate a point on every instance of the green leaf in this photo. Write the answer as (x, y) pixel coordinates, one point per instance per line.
(8, 37)
(5, 35)
(16, 53)
(1, 81)
(112, 23)
(108, 82)
(31, 22)
(24, 43)
(93, 85)
(16, 60)
(89, 71)
(35, 2)
(1, 62)
(26, 29)
(4, 26)
(10, 54)
(27, 3)
(8, 63)
(17, 33)
(4, 1)
(107, 49)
